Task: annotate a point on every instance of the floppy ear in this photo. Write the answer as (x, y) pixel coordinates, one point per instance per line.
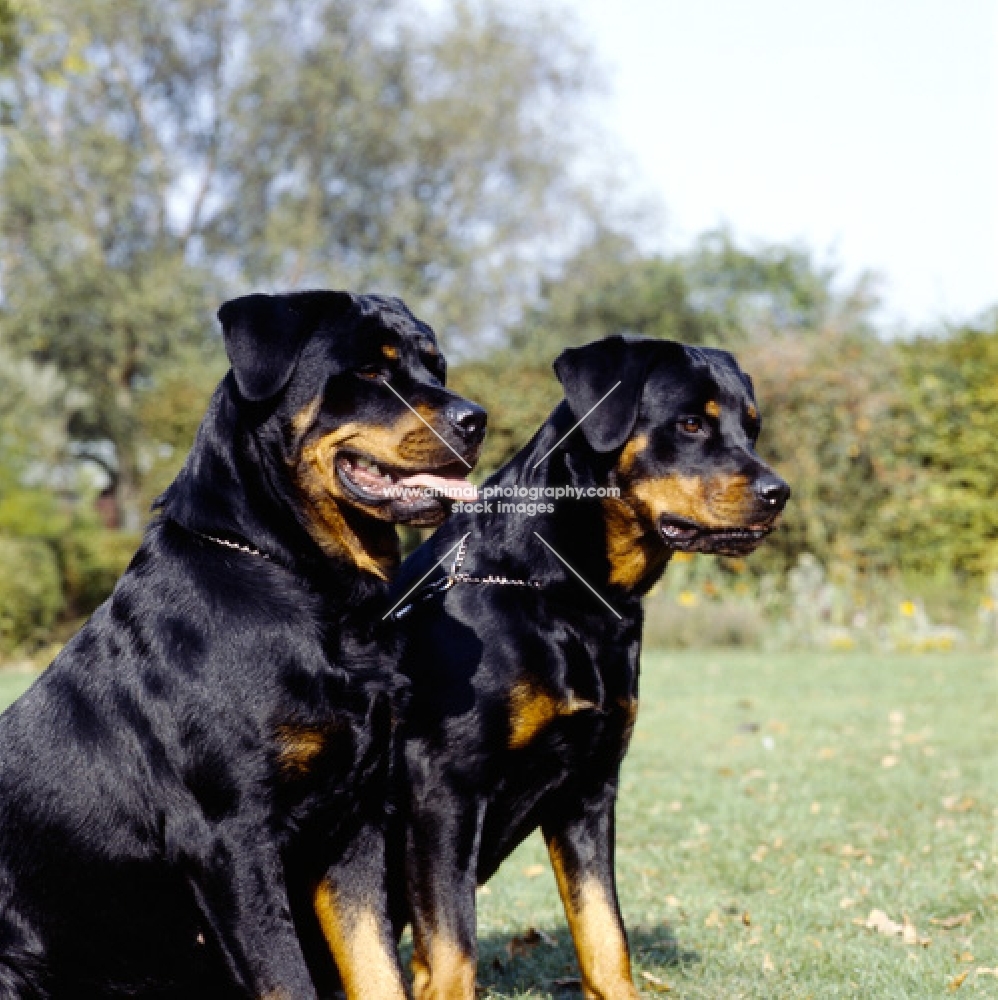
(263, 336)
(612, 370)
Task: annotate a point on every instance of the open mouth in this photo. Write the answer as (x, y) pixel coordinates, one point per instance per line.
(688, 536)
(375, 483)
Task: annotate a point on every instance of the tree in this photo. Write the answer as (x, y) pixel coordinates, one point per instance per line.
(775, 288)
(166, 152)
(611, 286)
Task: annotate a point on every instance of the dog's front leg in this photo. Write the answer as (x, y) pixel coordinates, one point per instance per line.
(441, 866)
(238, 885)
(351, 903)
(581, 846)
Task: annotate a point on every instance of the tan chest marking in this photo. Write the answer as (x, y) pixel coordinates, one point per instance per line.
(533, 709)
(299, 746)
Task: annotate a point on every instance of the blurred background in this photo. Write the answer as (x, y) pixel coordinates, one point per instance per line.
(815, 192)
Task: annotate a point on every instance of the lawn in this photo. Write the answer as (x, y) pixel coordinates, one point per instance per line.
(769, 805)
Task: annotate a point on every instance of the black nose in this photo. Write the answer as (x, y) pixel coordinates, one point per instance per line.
(468, 418)
(772, 491)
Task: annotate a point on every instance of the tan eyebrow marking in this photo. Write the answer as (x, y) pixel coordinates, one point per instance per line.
(712, 409)
(752, 412)
(390, 351)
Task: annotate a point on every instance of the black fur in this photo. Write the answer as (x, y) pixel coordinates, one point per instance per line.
(214, 743)
(523, 700)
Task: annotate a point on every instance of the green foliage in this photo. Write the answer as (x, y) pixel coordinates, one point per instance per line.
(944, 515)
(773, 288)
(827, 404)
(609, 286)
(159, 152)
(518, 395)
(30, 592)
(92, 560)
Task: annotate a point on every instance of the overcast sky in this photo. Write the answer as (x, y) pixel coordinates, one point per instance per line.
(865, 127)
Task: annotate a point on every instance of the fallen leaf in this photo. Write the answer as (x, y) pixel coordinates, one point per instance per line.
(848, 851)
(889, 761)
(767, 964)
(957, 803)
(524, 943)
(880, 922)
(567, 983)
(747, 919)
(672, 901)
(957, 981)
(657, 984)
(713, 919)
(532, 871)
(965, 956)
(759, 854)
(948, 923)
(844, 904)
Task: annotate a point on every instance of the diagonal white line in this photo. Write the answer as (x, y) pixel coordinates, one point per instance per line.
(400, 396)
(419, 582)
(576, 572)
(572, 431)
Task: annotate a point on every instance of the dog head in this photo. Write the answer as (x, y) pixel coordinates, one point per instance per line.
(680, 426)
(353, 386)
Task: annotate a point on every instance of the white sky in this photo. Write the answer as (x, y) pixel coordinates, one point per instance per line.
(868, 128)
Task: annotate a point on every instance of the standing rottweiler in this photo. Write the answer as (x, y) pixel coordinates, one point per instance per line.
(201, 773)
(523, 646)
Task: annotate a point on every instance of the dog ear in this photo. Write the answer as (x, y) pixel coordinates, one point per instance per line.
(605, 380)
(264, 335)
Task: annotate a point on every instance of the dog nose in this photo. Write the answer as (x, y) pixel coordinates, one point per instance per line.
(469, 420)
(772, 491)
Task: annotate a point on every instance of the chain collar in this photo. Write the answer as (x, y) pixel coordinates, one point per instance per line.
(456, 576)
(248, 549)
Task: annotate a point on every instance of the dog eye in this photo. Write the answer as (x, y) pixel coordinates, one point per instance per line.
(691, 425)
(373, 373)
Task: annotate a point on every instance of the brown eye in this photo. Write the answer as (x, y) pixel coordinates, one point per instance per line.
(691, 425)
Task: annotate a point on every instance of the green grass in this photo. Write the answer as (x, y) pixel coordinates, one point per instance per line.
(746, 854)
(13, 681)
(758, 822)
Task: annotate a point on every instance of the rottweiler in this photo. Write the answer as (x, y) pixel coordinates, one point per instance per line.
(522, 642)
(200, 775)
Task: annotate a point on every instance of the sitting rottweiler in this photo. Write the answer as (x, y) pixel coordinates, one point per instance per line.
(202, 771)
(523, 645)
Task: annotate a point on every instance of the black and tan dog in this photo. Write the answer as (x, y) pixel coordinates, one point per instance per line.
(524, 697)
(200, 774)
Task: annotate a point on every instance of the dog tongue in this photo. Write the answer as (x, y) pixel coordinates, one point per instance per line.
(454, 489)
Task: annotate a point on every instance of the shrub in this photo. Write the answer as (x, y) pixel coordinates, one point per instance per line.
(92, 560)
(675, 624)
(31, 595)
